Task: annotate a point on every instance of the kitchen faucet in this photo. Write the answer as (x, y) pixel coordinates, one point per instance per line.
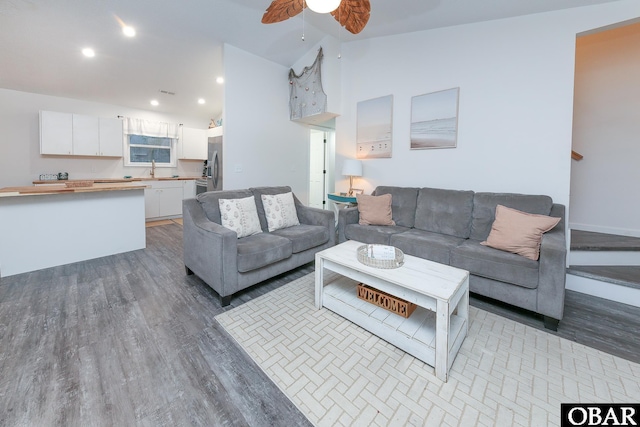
(153, 168)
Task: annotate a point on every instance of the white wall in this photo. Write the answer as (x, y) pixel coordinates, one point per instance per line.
(516, 100)
(20, 159)
(261, 146)
(607, 132)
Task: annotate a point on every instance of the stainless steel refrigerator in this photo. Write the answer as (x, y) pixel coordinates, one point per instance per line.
(214, 169)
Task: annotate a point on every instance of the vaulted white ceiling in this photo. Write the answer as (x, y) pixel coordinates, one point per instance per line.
(178, 47)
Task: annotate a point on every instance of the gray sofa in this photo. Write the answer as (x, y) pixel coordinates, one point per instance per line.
(228, 264)
(447, 226)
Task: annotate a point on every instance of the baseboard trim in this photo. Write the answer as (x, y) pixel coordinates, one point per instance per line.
(578, 257)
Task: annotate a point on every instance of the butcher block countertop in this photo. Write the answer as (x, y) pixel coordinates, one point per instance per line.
(113, 180)
(61, 188)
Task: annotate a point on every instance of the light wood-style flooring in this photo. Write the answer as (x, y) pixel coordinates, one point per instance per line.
(131, 340)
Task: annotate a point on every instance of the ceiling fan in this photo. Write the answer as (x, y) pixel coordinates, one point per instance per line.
(351, 14)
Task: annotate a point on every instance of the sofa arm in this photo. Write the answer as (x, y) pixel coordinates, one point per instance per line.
(210, 250)
(552, 274)
(314, 216)
(346, 216)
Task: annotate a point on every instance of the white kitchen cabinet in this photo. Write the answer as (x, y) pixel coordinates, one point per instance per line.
(170, 202)
(193, 144)
(111, 137)
(163, 199)
(80, 135)
(56, 136)
(86, 135)
(151, 201)
(189, 189)
(216, 131)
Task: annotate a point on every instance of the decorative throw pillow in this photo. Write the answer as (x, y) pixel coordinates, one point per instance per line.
(280, 211)
(375, 210)
(519, 232)
(240, 215)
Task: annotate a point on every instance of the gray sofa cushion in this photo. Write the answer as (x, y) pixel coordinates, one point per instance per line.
(403, 203)
(262, 249)
(304, 236)
(484, 209)
(377, 234)
(445, 211)
(258, 192)
(495, 264)
(424, 244)
(209, 201)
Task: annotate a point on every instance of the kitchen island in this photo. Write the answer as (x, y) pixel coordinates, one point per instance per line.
(163, 194)
(48, 226)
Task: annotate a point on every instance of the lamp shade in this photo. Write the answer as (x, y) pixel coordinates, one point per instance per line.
(323, 6)
(352, 167)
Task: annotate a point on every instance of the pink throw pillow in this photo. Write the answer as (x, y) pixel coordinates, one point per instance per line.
(519, 232)
(375, 210)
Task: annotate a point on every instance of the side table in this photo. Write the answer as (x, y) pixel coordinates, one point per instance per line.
(341, 202)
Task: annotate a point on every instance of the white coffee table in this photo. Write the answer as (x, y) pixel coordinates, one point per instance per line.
(435, 330)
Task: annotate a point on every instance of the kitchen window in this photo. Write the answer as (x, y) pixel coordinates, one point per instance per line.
(149, 141)
(143, 149)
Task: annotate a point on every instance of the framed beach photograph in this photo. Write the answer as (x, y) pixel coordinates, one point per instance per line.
(374, 128)
(434, 120)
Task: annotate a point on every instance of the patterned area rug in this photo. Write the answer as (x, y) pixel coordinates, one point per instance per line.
(506, 373)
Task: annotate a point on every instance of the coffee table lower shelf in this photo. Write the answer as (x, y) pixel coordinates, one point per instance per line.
(415, 335)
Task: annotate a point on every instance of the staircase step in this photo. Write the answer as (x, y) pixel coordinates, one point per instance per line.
(605, 265)
(591, 248)
(623, 275)
(592, 241)
(616, 283)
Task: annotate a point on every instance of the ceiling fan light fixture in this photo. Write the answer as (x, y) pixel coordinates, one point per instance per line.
(353, 15)
(323, 6)
(129, 31)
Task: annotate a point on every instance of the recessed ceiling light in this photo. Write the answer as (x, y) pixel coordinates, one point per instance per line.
(155, 102)
(201, 101)
(128, 31)
(219, 80)
(88, 52)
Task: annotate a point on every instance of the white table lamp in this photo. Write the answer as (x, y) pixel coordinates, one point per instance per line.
(352, 168)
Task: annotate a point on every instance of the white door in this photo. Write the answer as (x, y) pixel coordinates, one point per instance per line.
(317, 169)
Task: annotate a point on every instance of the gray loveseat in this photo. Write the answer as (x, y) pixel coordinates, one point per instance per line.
(447, 226)
(228, 264)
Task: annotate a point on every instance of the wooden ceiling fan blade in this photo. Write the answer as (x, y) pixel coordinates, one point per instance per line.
(281, 10)
(353, 14)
